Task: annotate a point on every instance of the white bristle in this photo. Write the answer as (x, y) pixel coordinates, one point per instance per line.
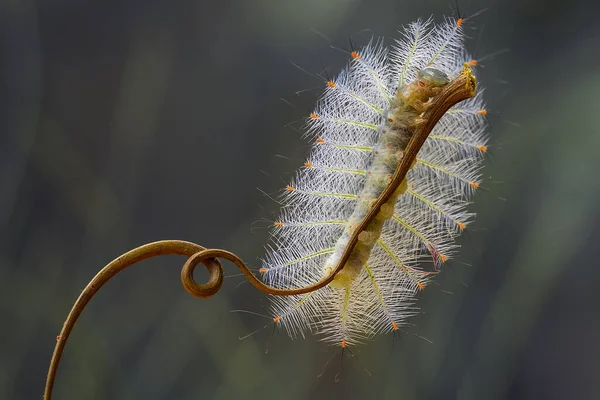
(346, 127)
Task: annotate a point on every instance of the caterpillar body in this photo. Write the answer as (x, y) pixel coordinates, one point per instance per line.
(360, 127)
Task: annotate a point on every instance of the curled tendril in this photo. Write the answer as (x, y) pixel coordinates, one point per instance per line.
(461, 88)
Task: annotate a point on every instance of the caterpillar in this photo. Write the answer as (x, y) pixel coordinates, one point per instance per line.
(359, 129)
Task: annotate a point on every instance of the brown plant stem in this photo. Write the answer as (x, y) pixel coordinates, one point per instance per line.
(461, 88)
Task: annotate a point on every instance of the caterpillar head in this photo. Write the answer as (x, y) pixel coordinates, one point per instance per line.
(428, 83)
(432, 77)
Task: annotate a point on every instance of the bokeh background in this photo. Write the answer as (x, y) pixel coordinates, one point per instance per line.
(129, 121)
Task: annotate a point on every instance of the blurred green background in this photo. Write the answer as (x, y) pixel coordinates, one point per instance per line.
(129, 121)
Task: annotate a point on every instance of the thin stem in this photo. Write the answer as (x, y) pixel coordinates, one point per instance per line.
(128, 259)
(461, 88)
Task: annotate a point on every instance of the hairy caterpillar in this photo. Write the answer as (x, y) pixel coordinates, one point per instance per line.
(360, 128)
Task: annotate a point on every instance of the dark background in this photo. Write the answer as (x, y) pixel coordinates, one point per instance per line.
(125, 122)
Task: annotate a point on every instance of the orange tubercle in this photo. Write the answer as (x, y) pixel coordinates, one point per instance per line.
(443, 258)
(420, 284)
(308, 165)
(355, 55)
(344, 344)
(474, 184)
(460, 225)
(330, 84)
(482, 148)
(314, 116)
(58, 338)
(290, 188)
(472, 63)
(481, 112)
(278, 223)
(262, 270)
(459, 22)
(320, 140)
(276, 319)
(394, 326)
